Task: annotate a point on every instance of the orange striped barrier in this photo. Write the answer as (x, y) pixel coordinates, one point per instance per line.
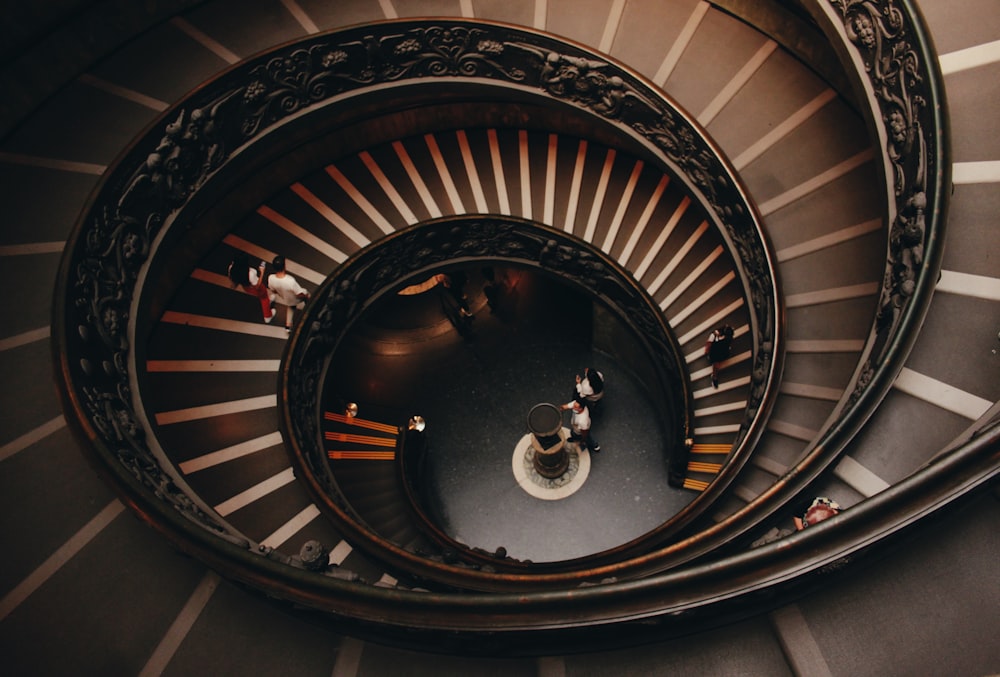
(370, 455)
(698, 466)
(697, 485)
(359, 439)
(711, 448)
(361, 422)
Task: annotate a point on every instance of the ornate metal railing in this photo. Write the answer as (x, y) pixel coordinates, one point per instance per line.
(903, 88)
(889, 59)
(149, 197)
(156, 184)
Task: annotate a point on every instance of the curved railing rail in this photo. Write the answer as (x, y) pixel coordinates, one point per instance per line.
(416, 253)
(155, 182)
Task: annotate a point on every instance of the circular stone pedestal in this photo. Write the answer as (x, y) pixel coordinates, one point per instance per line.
(550, 489)
(548, 441)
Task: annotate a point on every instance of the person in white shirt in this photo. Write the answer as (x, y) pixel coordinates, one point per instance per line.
(287, 290)
(579, 424)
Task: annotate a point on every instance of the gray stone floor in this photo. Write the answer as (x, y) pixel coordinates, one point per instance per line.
(474, 433)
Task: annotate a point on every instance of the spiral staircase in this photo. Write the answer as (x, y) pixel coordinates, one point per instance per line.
(86, 589)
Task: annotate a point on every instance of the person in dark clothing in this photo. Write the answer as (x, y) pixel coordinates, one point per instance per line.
(590, 387)
(717, 349)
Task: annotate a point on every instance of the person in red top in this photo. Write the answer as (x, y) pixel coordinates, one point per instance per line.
(820, 509)
(251, 280)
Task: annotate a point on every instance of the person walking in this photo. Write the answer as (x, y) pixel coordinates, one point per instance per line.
(717, 349)
(287, 290)
(251, 280)
(455, 303)
(580, 424)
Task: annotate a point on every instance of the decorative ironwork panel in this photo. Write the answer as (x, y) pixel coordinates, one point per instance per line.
(896, 65)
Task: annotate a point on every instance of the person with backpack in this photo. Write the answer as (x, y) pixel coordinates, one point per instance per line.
(717, 350)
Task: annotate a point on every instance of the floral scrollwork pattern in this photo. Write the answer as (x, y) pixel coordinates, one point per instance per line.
(881, 34)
